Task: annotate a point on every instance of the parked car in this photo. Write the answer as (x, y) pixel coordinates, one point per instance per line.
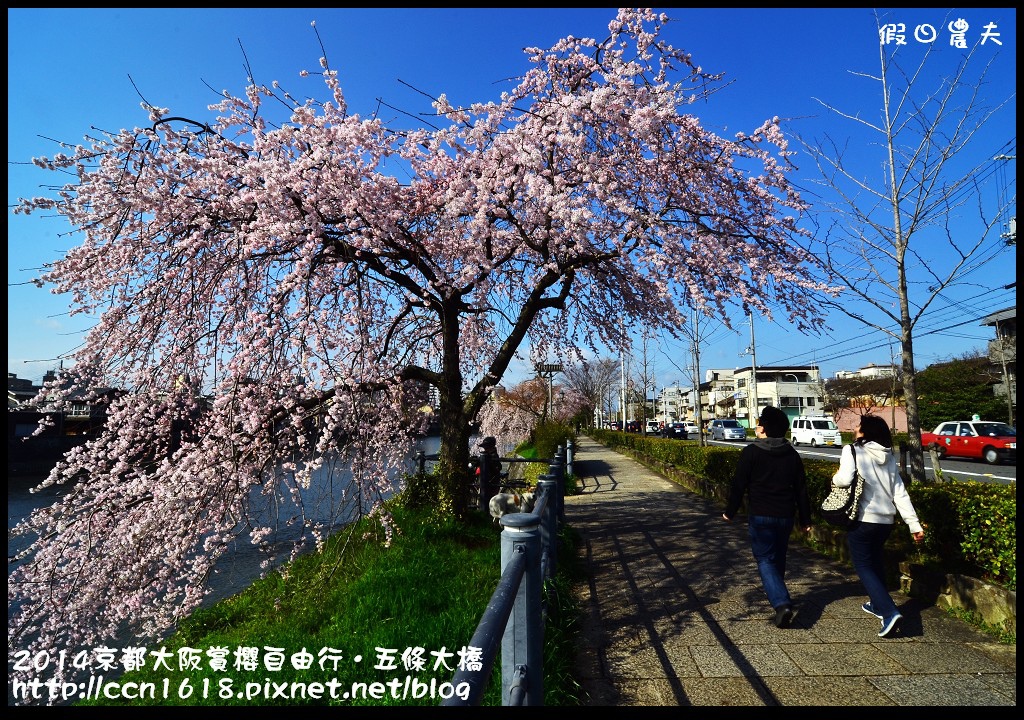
(692, 429)
(676, 431)
(653, 427)
(815, 430)
(727, 429)
(993, 442)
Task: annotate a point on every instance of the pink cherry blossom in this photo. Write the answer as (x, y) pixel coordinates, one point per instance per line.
(276, 294)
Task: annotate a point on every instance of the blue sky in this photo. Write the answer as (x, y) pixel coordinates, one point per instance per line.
(70, 69)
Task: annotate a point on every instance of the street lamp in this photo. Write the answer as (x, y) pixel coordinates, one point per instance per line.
(548, 370)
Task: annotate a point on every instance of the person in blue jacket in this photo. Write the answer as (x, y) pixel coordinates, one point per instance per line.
(770, 473)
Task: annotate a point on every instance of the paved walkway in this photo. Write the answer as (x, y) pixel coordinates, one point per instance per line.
(675, 614)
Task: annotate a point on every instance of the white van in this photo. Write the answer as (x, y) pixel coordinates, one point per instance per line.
(816, 431)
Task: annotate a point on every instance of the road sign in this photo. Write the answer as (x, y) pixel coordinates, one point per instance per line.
(549, 367)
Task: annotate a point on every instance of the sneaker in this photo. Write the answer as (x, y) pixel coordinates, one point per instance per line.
(784, 616)
(866, 607)
(889, 626)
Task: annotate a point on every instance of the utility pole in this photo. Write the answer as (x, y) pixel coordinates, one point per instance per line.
(892, 364)
(1006, 377)
(697, 415)
(752, 411)
(622, 375)
(654, 401)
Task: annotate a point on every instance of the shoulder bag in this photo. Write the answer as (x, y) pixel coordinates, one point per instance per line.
(839, 507)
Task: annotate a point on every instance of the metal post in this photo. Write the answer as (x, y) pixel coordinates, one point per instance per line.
(549, 522)
(570, 452)
(523, 640)
(555, 471)
(421, 462)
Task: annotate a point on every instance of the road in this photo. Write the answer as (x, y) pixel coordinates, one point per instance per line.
(951, 468)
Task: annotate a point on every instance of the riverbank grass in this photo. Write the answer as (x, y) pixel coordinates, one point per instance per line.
(396, 615)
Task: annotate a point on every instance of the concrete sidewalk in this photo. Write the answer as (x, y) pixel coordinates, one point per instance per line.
(675, 614)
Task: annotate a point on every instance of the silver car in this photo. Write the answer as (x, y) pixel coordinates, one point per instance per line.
(727, 429)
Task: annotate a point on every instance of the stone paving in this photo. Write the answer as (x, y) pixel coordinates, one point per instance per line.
(675, 615)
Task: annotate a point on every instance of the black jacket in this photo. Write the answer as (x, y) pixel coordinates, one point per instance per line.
(771, 473)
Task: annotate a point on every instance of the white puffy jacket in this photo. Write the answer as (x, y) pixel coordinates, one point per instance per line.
(884, 491)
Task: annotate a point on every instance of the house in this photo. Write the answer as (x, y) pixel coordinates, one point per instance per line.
(868, 371)
(676, 403)
(871, 390)
(717, 394)
(1002, 351)
(794, 389)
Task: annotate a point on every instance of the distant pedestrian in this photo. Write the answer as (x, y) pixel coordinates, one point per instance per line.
(884, 495)
(770, 472)
(489, 458)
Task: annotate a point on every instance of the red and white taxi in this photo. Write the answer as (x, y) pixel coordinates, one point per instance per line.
(993, 442)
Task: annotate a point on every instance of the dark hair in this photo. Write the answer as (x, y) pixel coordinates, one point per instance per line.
(874, 428)
(774, 422)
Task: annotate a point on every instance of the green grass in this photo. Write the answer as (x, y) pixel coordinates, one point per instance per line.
(427, 590)
(527, 452)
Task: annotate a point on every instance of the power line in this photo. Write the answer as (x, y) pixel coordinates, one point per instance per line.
(924, 330)
(919, 335)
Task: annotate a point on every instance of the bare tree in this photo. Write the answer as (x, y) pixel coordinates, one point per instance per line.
(642, 379)
(890, 239)
(697, 333)
(592, 380)
(861, 395)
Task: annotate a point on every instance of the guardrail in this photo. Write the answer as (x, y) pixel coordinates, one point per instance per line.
(515, 616)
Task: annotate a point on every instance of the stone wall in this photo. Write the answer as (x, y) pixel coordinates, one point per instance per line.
(994, 604)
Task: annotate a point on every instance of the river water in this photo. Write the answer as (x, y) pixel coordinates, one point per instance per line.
(328, 500)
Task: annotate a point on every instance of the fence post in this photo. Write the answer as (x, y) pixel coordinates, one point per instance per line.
(570, 453)
(549, 523)
(557, 470)
(522, 644)
(421, 462)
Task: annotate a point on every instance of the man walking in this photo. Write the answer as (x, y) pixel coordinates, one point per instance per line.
(770, 473)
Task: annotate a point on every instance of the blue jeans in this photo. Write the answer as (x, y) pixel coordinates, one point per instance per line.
(769, 539)
(867, 542)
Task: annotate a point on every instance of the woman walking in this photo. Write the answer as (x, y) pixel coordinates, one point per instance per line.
(884, 494)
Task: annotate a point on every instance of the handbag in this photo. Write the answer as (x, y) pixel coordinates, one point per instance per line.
(839, 507)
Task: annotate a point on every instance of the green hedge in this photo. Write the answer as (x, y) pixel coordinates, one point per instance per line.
(548, 436)
(971, 526)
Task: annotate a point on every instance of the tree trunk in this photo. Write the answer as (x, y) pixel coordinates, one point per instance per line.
(453, 475)
(916, 453)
